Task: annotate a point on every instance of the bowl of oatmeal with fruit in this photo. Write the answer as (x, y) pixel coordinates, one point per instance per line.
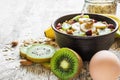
(86, 34)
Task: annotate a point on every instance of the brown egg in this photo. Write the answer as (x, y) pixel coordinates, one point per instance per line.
(104, 65)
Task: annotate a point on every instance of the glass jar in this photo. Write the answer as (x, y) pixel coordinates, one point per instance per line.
(118, 8)
(100, 6)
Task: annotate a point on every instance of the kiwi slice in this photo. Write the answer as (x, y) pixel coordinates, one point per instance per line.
(66, 64)
(46, 65)
(23, 50)
(40, 53)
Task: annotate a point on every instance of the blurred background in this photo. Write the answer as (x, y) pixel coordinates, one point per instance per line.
(29, 18)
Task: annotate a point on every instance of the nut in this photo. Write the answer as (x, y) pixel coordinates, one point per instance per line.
(14, 43)
(25, 62)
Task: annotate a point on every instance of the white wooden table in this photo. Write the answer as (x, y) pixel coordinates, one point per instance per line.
(32, 16)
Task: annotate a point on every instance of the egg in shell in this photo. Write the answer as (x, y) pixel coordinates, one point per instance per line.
(104, 65)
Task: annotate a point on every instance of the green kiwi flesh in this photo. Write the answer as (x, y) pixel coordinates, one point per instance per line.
(66, 64)
(40, 53)
(23, 50)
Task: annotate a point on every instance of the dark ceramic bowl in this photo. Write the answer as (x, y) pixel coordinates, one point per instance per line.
(86, 47)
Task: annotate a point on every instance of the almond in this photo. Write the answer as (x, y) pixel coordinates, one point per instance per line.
(25, 62)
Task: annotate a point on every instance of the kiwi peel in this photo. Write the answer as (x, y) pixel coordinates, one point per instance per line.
(46, 65)
(37, 52)
(66, 64)
(23, 51)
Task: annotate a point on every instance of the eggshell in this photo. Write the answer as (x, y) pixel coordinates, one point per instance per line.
(104, 65)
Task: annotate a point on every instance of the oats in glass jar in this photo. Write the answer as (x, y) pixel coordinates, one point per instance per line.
(100, 6)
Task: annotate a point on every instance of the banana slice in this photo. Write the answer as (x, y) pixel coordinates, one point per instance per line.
(99, 25)
(49, 33)
(117, 35)
(85, 29)
(103, 31)
(76, 26)
(117, 19)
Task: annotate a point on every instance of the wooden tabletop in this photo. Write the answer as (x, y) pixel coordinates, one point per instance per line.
(25, 20)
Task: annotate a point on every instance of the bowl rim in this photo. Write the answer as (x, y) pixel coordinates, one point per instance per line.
(84, 37)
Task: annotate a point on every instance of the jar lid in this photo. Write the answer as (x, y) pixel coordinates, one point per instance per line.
(100, 1)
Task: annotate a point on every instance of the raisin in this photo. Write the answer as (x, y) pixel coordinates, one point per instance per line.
(111, 26)
(58, 26)
(89, 33)
(94, 21)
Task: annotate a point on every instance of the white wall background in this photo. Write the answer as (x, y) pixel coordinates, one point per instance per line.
(32, 16)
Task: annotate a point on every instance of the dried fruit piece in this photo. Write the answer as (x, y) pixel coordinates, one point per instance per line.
(111, 26)
(89, 33)
(59, 26)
